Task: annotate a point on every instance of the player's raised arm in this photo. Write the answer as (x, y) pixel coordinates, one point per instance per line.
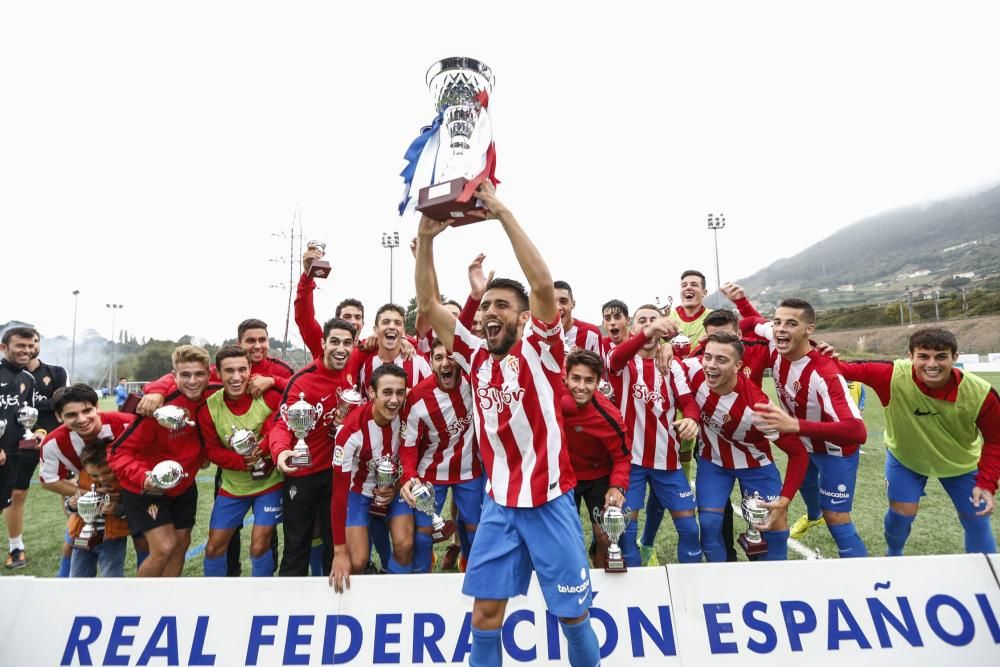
(543, 294)
(428, 296)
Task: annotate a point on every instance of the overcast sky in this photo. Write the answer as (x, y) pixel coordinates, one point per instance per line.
(148, 152)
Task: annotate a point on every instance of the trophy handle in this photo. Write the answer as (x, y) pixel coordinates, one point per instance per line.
(283, 411)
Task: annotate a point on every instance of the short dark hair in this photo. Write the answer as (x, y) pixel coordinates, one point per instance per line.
(721, 318)
(562, 284)
(615, 306)
(337, 323)
(586, 358)
(692, 272)
(390, 306)
(231, 352)
(75, 393)
(726, 338)
(246, 325)
(514, 286)
(387, 369)
(349, 302)
(934, 338)
(94, 453)
(437, 342)
(452, 302)
(20, 332)
(800, 304)
(646, 306)
(123, 378)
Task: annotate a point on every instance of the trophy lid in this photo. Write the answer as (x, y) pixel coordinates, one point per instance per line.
(461, 63)
(352, 397)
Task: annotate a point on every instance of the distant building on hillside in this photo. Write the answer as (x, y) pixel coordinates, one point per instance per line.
(846, 288)
(967, 274)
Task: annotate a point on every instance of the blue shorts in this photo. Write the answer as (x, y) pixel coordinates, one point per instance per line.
(670, 487)
(715, 483)
(228, 512)
(905, 486)
(358, 504)
(837, 475)
(511, 541)
(468, 499)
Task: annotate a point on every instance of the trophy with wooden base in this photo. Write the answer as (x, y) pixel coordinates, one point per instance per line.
(755, 514)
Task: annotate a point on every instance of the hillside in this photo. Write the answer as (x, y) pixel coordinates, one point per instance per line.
(874, 260)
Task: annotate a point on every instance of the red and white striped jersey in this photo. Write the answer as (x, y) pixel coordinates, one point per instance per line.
(416, 368)
(423, 345)
(607, 347)
(61, 449)
(519, 424)
(583, 336)
(812, 389)
(359, 441)
(439, 439)
(728, 436)
(649, 403)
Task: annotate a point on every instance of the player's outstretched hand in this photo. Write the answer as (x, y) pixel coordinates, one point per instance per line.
(284, 463)
(477, 278)
(259, 384)
(778, 515)
(149, 404)
(981, 496)
(769, 417)
(406, 349)
(614, 497)
(340, 571)
(487, 194)
(732, 291)
(827, 350)
(313, 253)
(687, 428)
(429, 228)
(664, 356)
(406, 491)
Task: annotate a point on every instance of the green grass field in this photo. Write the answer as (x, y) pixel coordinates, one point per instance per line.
(936, 530)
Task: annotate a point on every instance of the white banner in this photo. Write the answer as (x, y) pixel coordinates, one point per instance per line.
(406, 620)
(917, 610)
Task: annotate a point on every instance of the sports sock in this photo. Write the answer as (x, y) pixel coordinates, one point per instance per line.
(897, 529)
(485, 648)
(581, 644)
(395, 567)
(777, 545)
(711, 536)
(978, 534)
(64, 567)
(262, 565)
(688, 546)
(215, 567)
(423, 546)
(316, 557)
(810, 493)
(630, 550)
(654, 517)
(848, 541)
(16, 543)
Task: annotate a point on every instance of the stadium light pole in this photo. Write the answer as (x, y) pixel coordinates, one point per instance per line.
(715, 223)
(390, 241)
(72, 354)
(115, 307)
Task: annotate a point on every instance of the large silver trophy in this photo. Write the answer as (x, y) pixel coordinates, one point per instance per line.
(27, 417)
(613, 520)
(172, 417)
(166, 475)
(300, 418)
(89, 506)
(457, 85)
(387, 472)
(424, 501)
(244, 442)
(755, 514)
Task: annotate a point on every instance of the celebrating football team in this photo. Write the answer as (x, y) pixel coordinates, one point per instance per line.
(522, 414)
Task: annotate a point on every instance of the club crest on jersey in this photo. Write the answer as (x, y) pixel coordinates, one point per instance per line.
(153, 511)
(292, 491)
(642, 393)
(46, 380)
(746, 371)
(495, 398)
(714, 423)
(511, 362)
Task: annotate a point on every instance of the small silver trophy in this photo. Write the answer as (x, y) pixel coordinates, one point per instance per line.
(320, 268)
(89, 506)
(423, 500)
(613, 520)
(387, 472)
(27, 417)
(751, 541)
(3, 427)
(349, 398)
(300, 418)
(166, 475)
(172, 417)
(244, 443)
(609, 392)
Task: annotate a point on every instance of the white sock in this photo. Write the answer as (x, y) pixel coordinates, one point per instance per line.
(16, 543)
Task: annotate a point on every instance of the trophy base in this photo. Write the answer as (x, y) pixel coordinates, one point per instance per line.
(445, 533)
(320, 268)
(29, 443)
(615, 566)
(131, 403)
(752, 548)
(301, 460)
(377, 510)
(256, 474)
(439, 202)
(86, 543)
